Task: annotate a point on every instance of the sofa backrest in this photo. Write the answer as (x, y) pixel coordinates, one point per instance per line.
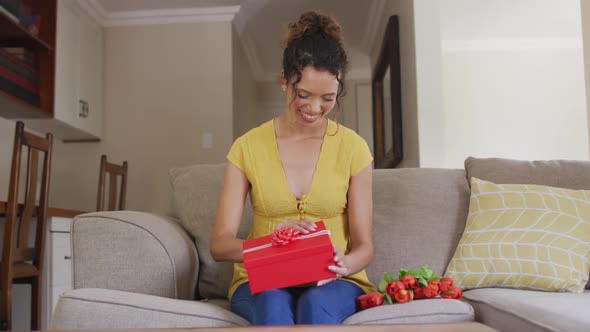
(419, 215)
(196, 191)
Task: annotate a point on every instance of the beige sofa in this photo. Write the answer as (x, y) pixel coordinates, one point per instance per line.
(139, 270)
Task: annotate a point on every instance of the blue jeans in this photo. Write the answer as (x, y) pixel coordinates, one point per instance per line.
(328, 304)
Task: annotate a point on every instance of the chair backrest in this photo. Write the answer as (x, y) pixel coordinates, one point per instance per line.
(113, 170)
(18, 217)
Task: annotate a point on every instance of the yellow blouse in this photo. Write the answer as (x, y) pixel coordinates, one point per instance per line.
(343, 154)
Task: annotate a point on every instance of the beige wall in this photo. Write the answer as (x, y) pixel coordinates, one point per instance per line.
(246, 108)
(164, 86)
(585, 5)
(404, 9)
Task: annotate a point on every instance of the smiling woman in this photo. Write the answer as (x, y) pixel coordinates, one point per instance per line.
(299, 168)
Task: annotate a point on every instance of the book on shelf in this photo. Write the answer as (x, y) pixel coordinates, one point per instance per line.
(19, 75)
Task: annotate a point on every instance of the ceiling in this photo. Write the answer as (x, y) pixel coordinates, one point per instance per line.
(261, 23)
(132, 5)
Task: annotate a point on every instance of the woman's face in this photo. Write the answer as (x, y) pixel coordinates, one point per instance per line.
(313, 98)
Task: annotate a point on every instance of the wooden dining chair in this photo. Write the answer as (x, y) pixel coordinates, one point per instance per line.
(22, 262)
(114, 171)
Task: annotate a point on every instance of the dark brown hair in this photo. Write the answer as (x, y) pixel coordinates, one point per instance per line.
(314, 40)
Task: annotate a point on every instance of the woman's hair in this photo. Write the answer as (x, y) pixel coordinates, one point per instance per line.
(314, 40)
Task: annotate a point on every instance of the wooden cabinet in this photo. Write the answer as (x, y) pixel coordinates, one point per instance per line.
(75, 53)
(57, 273)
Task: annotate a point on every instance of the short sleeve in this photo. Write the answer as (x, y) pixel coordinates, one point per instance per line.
(237, 154)
(361, 156)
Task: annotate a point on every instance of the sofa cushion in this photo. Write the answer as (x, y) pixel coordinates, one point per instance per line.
(524, 236)
(532, 311)
(93, 308)
(415, 312)
(556, 173)
(412, 206)
(196, 191)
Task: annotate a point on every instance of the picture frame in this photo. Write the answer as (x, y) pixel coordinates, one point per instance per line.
(387, 100)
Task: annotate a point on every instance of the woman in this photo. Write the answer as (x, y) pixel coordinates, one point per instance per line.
(299, 168)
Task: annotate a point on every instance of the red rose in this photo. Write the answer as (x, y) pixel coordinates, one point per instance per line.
(283, 235)
(454, 293)
(409, 281)
(393, 287)
(375, 299)
(367, 301)
(458, 293)
(446, 284)
(363, 302)
(432, 289)
(419, 294)
(403, 295)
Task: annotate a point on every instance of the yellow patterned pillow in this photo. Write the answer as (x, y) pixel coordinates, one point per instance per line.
(524, 236)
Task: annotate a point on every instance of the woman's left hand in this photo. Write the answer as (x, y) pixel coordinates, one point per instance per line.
(339, 267)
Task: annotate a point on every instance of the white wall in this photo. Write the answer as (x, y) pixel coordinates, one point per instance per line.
(429, 80)
(585, 10)
(521, 104)
(518, 95)
(162, 90)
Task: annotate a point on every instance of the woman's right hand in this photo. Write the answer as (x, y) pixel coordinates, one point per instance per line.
(304, 226)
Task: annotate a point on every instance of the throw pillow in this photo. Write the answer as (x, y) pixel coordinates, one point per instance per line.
(524, 236)
(569, 174)
(196, 191)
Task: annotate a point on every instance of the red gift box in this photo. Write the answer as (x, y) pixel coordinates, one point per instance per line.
(303, 260)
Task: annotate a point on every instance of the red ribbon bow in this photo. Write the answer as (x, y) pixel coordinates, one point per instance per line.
(284, 235)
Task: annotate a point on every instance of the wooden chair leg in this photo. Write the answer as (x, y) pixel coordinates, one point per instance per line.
(5, 306)
(36, 303)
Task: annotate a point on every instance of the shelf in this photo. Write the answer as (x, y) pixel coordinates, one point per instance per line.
(15, 35)
(12, 107)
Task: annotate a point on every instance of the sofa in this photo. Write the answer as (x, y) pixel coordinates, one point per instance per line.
(141, 270)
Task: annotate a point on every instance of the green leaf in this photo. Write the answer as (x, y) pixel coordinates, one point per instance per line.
(388, 277)
(414, 272)
(402, 273)
(388, 299)
(435, 276)
(426, 272)
(422, 281)
(382, 285)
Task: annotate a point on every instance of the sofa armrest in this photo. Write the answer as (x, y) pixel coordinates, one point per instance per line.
(135, 252)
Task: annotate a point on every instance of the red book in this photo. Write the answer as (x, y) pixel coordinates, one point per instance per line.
(303, 260)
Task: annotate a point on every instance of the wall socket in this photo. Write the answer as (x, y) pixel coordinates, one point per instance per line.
(207, 140)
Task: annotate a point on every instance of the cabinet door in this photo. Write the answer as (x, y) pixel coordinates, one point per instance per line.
(91, 76)
(67, 62)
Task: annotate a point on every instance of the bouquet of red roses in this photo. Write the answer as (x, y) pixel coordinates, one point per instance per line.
(410, 285)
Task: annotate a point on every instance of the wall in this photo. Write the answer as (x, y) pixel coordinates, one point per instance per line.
(162, 90)
(404, 9)
(513, 81)
(246, 107)
(515, 103)
(585, 10)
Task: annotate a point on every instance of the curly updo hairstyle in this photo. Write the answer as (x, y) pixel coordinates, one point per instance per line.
(314, 40)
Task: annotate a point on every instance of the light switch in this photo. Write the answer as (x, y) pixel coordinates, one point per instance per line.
(207, 141)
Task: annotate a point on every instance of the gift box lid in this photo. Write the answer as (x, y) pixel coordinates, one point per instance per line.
(260, 251)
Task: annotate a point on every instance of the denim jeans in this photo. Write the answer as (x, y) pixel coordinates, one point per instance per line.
(328, 304)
